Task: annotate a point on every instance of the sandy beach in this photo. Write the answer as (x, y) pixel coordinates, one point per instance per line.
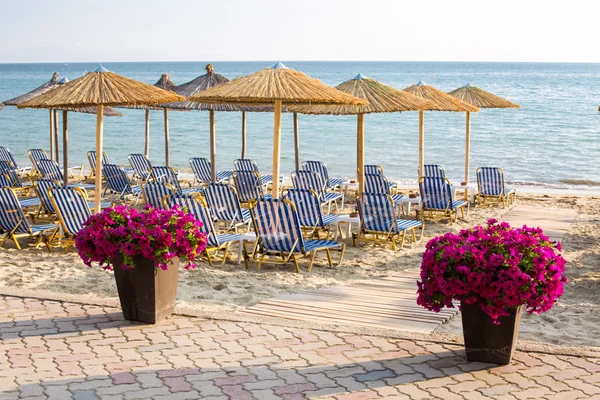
(573, 321)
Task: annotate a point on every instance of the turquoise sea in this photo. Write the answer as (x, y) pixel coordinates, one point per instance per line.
(552, 142)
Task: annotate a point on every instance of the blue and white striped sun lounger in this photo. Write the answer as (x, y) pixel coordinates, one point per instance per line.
(37, 155)
(279, 235)
(434, 171)
(245, 164)
(225, 205)
(379, 221)
(6, 169)
(248, 185)
(72, 208)
(14, 224)
(6, 155)
(5, 181)
(310, 180)
(309, 210)
(378, 184)
(490, 182)
(49, 169)
(118, 183)
(216, 242)
(91, 155)
(141, 166)
(168, 175)
(321, 168)
(203, 172)
(155, 192)
(378, 170)
(436, 196)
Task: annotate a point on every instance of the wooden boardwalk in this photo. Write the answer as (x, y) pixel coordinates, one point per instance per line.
(554, 221)
(388, 303)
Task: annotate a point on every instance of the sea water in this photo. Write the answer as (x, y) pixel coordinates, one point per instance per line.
(551, 142)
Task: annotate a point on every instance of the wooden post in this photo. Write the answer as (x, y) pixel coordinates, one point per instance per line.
(56, 149)
(243, 134)
(468, 147)
(167, 160)
(421, 143)
(147, 144)
(51, 135)
(360, 151)
(98, 180)
(296, 142)
(65, 148)
(213, 146)
(276, 148)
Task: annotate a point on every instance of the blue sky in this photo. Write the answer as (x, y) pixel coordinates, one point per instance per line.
(228, 30)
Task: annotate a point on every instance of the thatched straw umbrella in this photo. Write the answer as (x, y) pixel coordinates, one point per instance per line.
(276, 85)
(442, 102)
(381, 98)
(199, 84)
(101, 88)
(482, 99)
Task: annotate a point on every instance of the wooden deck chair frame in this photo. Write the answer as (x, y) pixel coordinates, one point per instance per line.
(504, 198)
(263, 256)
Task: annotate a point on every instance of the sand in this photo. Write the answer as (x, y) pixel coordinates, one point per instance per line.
(573, 321)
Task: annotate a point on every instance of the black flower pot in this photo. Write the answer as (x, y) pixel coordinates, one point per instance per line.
(147, 293)
(486, 342)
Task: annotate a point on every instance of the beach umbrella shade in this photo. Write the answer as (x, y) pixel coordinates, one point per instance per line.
(442, 102)
(198, 85)
(381, 99)
(101, 88)
(479, 98)
(277, 85)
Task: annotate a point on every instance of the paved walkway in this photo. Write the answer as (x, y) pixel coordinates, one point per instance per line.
(59, 350)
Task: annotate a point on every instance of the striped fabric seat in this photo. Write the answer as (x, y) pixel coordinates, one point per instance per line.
(155, 192)
(192, 204)
(14, 224)
(71, 205)
(378, 184)
(203, 171)
(245, 164)
(321, 168)
(42, 188)
(436, 196)
(49, 169)
(35, 155)
(169, 176)
(5, 181)
(91, 155)
(490, 183)
(377, 213)
(309, 210)
(279, 232)
(378, 170)
(141, 166)
(434, 171)
(118, 183)
(310, 180)
(225, 205)
(12, 176)
(29, 202)
(248, 185)
(6, 155)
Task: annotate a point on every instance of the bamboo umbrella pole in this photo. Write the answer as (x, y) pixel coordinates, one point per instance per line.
(276, 148)
(56, 149)
(167, 137)
(98, 182)
(360, 151)
(51, 135)
(296, 142)
(147, 144)
(468, 147)
(213, 146)
(421, 143)
(65, 148)
(243, 134)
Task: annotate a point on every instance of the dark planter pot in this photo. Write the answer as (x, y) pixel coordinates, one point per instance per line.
(147, 293)
(486, 342)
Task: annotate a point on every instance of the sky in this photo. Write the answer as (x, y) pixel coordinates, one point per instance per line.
(307, 30)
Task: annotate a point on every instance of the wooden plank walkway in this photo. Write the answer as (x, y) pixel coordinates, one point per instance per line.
(383, 303)
(554, 221)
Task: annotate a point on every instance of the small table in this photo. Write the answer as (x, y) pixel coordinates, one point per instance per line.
(245, 237)
(406, 202)
(347, 185)
(345, 219)
(468, 188)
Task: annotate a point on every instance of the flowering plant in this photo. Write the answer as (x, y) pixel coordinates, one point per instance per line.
(158, 235)
(496, 266)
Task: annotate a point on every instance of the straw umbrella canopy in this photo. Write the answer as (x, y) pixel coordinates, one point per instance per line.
(482, 99)
(101, 88)
(276, 85)
(381, 98)
(442, 102)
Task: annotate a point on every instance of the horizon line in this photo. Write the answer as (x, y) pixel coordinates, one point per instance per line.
(301, 61)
